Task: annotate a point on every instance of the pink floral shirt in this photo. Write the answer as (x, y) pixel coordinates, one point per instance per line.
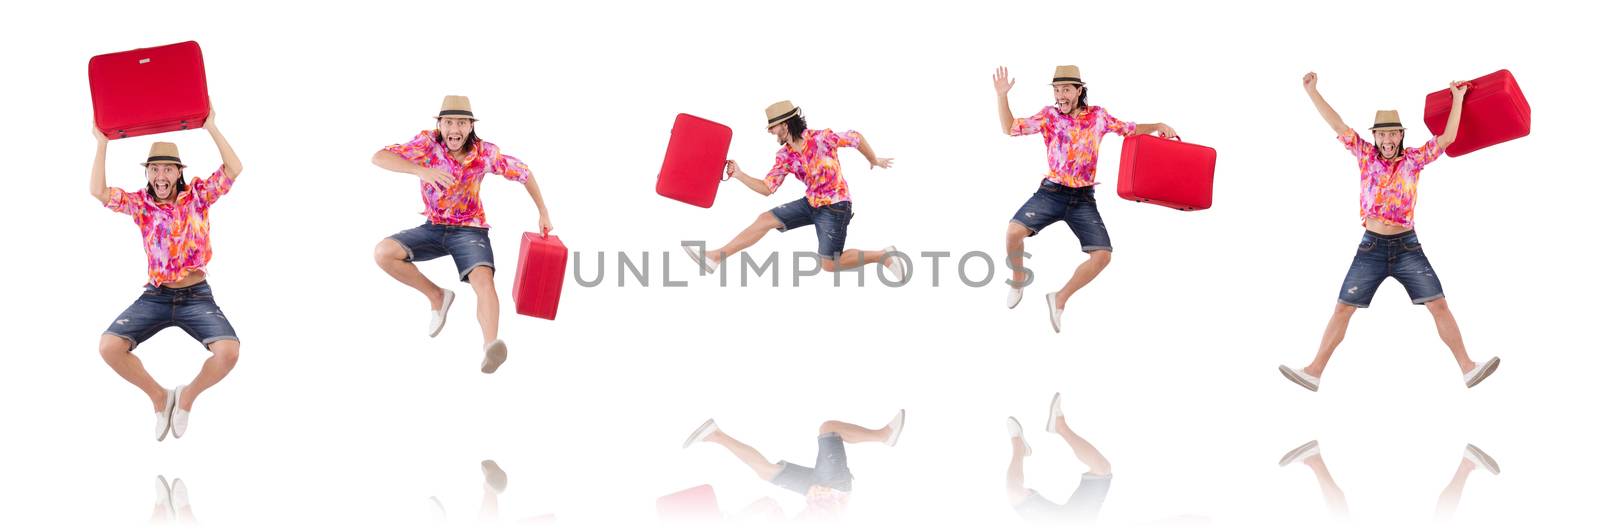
(1072, 142)
(177, 234)
(816, 163)
(1389, 187)
(458, 205)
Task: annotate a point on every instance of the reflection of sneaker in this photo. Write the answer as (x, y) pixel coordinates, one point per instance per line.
(707, 264)
(1299, 376)
(436, 317)
(163, 493)
(494, 354)
(1301, 453)
(895, 426)
(700, 434)
(1055, 413)
(164, 417)
(493, 476)
(1013, 297)
(1481, 459)
(180, 416)
(180, 495)
(897, 265)
(1015, 428)
(1481, 371)
(437, 509)
(1055, 313)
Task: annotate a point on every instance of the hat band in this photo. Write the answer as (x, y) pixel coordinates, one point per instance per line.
(1385, 125)
(158, 159)
(784, 116)
(1066, 80)
(467, 113)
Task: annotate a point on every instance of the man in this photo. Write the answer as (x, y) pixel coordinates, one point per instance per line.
(1472, 459)
(812, 156)
(1072, 131)
(449, 162)
(827, 485)
(174, 218)
(1390, 247)
(1084, 505)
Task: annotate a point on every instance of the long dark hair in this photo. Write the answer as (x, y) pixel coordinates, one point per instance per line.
(472, 137)
(797, 126)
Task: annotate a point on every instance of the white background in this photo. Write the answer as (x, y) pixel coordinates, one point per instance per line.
(343, 413)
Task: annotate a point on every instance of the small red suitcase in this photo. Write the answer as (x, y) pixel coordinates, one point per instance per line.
(149, 90)
(696, 156)
(1494, 111)
(691, 504)
(541, 269)
(1166, 172)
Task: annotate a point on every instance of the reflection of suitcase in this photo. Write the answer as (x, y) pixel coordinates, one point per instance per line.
(1493, 111)
(1166, 172)
(691, 504)
(149, 90)
(696, 155)
(541, 269)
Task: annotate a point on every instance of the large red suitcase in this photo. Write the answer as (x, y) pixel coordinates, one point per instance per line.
(696, 156)
(1166, 172)
(1494, 111)
(688, 505)
(541, 269)
(149, 90)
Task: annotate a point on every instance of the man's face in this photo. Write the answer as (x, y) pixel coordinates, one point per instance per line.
(163, 178)
(781, 130)
(1067, 96)
(455, 132)
(1388, 142)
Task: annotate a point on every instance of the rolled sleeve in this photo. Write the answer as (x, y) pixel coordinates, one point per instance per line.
(1123, 128)
(507, 166)
(1429, 151)
(124, 202)
(211, 188)
(419, 150)
(1030, 125)
(780, 170)
(1355, 144)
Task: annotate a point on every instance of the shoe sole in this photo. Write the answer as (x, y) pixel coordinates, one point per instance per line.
(170, 425)
(899, 425)
(1479, 456)
(1494, 364)
(493, 357)
(699, 261)
(1050, 303)
(1055, 404)
(171, 404)
(444, 312)
(1295, 378)
(1296, 453)
(698, 432)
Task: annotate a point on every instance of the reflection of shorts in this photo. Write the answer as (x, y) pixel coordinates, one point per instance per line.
(191, 308)
(1380, 257)
(1074, 205)
(832, 470)
(1083, 506)
(832, 221)
(468, 245)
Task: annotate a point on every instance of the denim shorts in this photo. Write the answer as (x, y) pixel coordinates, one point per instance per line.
(832, 470)
(832, 221)
(468, 245)
(191, 308)
(1074, 205)
(1083, 506)
(1380, 257)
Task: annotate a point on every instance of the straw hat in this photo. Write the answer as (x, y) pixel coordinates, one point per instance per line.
(163, 152)
(780, 112)
(1387, 120)
(455, 107)
(1067, 75)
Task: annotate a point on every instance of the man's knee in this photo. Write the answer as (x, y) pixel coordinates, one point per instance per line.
(1437, 307)
(1343, 310)
(828, 427)
(388, 250)
(830, 265)
(1015, 231)
(481, 278)
(225, 350)
(113, 347)
(1100, 258)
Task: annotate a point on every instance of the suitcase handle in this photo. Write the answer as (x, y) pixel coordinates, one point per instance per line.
(544, 232)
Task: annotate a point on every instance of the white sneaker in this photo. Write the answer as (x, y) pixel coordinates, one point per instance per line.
(707, 264)
(1298, 376)
(1013, 297)
(180, 416)
(494, 354)
(164, 417)
(493, 476)
(1055, 413)
(1301, 453)
(436, 317)
(1015, 428)
(1055, 313)
(180, 495)
(1481, 371)
(895, 426)
(897, 265)
(1481, 459)
(700, 434)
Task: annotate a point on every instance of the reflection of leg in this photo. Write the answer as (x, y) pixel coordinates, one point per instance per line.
(1331, 493)
(1445, 322)
(162, 510)
(1015, 490)
(180, 502)
(118, 354)
(494, 482)
(224, 355)
(482, 280)
(1086, 272)
(1473, 458)
(852, 433)
(763, 468)
(1087, 453)
(1331, 336)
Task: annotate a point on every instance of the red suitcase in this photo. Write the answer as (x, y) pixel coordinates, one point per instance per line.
(541, 269)
(1494, 111)
(696, 156)
(691, 504)
(149, 90)
(1166, 172)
